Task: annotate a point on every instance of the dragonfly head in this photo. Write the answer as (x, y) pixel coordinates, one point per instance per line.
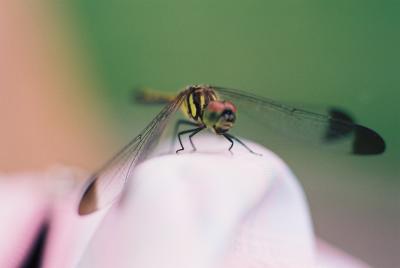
(219, 116)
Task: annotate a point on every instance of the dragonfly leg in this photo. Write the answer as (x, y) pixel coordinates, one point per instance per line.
(231, 138)
(176, 128)
(193, 131)
(183, 122)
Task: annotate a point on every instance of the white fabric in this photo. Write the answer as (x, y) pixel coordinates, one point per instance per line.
(189, 210)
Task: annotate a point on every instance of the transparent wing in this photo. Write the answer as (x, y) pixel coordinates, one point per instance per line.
(106, 184)
(300, 125)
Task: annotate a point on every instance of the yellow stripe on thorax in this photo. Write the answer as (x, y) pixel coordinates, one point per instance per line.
(193, 108)
(202, 101)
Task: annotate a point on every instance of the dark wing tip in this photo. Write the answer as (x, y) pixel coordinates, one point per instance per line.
(340, 114)
(88, 202)
(367, 142)
(337, 114)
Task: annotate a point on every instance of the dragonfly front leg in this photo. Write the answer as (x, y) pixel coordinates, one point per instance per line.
(230, 138)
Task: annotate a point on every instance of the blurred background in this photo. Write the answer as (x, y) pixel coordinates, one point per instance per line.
(67, 71)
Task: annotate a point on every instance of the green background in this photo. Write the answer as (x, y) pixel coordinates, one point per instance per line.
(341, 52)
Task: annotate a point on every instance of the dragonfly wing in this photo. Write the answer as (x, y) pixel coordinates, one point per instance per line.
(105, 185)
(304, 126)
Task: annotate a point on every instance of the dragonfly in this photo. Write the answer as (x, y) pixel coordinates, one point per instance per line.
(215, 108)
